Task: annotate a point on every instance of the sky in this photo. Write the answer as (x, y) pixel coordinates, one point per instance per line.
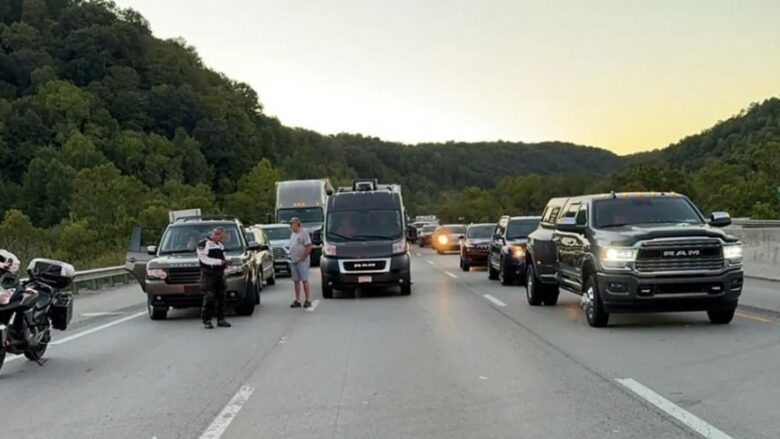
(625, 75)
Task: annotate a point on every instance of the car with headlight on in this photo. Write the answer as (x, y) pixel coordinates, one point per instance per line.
(635, 252)
(506, 257)
(475, 245)
(169, 271)
(446, 238)
(425, 234)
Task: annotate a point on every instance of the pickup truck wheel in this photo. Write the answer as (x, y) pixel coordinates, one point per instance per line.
(505, 278)
(550, 296)
(532, 292)
(594, 308)
(156, 312)
(721, 316)
(327, 291)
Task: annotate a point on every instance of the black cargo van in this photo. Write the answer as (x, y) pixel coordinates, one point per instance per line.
(364, 239)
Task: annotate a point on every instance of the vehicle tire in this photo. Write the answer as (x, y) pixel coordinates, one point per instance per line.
(247, 306)
(594, 308)
(327, 291)
(532, 291)
(492, 273)
(721, 316)
(406, 290)
(156, 312)
(272, 280)
(2, 357)
(506, 279)
(37, 353)
(550, 295)
(464, 266)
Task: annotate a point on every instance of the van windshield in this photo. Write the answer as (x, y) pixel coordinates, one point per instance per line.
(364, 225)
(185, 238)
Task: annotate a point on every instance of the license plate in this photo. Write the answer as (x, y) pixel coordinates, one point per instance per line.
(365, 279)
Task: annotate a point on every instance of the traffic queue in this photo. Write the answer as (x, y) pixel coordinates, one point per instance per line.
(619, 252)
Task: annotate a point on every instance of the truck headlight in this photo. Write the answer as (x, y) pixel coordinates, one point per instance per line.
(518, 252)
(618, 257)
(733, 253)
(234, 270)
(156, 273)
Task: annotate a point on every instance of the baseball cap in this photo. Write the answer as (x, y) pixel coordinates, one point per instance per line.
(294, 220)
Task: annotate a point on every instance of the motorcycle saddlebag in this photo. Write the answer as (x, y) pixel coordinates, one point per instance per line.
(61, 310)
(56, 274)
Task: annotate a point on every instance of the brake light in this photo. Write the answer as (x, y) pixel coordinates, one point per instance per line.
(5, 297)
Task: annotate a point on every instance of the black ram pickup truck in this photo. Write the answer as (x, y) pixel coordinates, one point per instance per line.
(635, 252)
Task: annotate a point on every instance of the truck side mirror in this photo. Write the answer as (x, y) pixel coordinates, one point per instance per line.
(720, 219)
(152, 250)
(569, 225)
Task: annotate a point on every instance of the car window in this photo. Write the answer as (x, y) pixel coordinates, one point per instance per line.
(480, 232)
(185, 238)
(277, 233)
(582, 215)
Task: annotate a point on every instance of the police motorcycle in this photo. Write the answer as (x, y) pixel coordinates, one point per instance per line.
(30, 308)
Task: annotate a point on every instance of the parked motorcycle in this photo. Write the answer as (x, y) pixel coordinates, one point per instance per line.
(29, 309)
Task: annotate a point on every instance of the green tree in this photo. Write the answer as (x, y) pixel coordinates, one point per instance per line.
(46, 190)
(20, 237)
(256, 194)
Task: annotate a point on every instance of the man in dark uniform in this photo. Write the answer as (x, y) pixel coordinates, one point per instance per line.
(211, 255)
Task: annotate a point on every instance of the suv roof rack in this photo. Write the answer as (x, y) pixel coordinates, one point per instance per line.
(185, 219)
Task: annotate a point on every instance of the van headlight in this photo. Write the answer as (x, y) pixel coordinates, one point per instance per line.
(400, 247)
(733, 253)
(618, 257)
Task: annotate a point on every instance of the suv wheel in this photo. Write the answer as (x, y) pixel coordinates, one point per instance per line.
(721, 316)
(248, 304)
(532, 292)
(506, 279)
(550, 296)
(272, 280)
(594, 308)
(156, 312)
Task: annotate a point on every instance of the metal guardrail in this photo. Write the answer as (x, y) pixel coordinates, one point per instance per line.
(754, 224)
(108, 276)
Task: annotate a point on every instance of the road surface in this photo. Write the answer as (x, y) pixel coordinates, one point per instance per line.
(462, 357)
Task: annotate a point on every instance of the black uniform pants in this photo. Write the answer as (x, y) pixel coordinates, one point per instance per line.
(214, 297)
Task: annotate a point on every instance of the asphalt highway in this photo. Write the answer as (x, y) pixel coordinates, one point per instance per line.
(462, 357)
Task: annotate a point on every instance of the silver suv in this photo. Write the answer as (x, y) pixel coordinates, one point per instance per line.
(279, 238)
(169, 272)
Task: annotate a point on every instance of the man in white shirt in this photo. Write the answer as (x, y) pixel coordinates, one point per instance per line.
(300, 249)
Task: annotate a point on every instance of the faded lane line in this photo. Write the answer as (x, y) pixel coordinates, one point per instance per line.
(452, 275)
(98, 328)
(752, 317)
(418, 254)
(429, 261)
(226, 416)
(101, 314)
(313, 306)
(494, 300)
(82, 334)
(673, 410)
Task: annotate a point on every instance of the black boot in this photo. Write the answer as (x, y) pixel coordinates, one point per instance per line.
(208, 325)
(223, 324)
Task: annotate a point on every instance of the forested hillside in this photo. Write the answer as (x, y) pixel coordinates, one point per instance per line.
(103, 126)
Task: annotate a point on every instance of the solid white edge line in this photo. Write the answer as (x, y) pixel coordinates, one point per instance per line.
(11, 358)
(689, 419)
(452, 275)
(97, 328)
(313, 306)
(494, 300)
(226, 416)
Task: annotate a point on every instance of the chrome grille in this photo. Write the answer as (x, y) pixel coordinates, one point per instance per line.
(680, 255)
(190, 275)
(280, 253)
